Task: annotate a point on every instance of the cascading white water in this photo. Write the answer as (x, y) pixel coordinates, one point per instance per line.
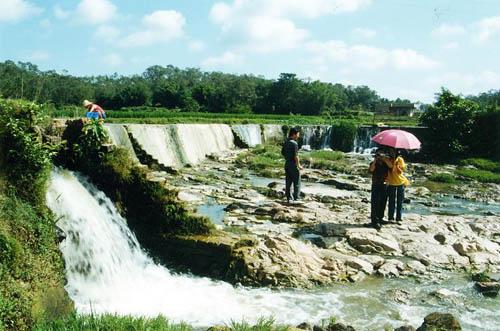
(251, 134)
(362, 142)
(119, 137)
(108, 272)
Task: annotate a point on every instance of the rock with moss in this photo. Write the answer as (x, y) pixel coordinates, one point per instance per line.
(440, 322)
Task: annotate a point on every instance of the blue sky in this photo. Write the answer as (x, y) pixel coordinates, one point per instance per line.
(401, 48)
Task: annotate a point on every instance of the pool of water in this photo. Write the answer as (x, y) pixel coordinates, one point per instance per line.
(213, 210)
(445, 204)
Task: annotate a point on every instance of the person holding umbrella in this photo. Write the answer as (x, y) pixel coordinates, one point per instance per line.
(396, 180)
(396, 183)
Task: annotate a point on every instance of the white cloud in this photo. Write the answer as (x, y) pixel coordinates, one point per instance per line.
(488, 27)
(268, 34)
(368, 57)
(221, 12)
(364, 33)
(95, 11)
(466, 83)
(113, 60)
(61, 13)
(268, 26)
(38, 56)
(446, 30)
(196, 45)
(159, 26)
(410, 59)
(228, 58)
(16, 10)
(107, 33)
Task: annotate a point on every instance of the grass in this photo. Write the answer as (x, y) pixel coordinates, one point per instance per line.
(438, 186)
(482, 164)
(110, 322)
(482, 176)
(442, 177)
(267, 161)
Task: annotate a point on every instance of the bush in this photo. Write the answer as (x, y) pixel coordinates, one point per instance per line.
(342, 136)
(486, 133)
(442, 178)
(26, 160)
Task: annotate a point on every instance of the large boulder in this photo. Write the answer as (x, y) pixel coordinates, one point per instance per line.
(370, 241)
(488, 289)
(439, 321)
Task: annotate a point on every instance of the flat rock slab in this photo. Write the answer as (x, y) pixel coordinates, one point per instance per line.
(370, 241)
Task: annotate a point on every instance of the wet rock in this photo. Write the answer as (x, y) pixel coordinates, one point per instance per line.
(391, 268)
(438, 321)
(272, 185)
(375, 260)
(219, 328)
(370, 241)
(488, 289)
(305, 326)
(440, 238)
(445, 294)
(405, 328)
(341, 185)
(360, 264)
(357, 277)
(339, 327)
(318, 328)
(399, 296)
(415, 267)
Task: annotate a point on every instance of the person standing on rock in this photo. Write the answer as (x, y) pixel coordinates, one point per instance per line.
(290, 152)
(94, 111)
(396, 181)
(379, 168)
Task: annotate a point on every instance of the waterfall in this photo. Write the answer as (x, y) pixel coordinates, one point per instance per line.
(273, 132)
(108, 272)
(177, 145)
(363, 143)
(119, 137)
(316, 137)
(250, 134)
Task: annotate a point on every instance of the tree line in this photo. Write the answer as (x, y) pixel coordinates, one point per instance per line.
(188, 89)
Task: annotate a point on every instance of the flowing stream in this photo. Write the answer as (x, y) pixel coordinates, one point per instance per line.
(108, 272)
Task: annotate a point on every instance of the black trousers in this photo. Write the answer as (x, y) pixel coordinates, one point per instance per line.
(292, 174)
(378, 202)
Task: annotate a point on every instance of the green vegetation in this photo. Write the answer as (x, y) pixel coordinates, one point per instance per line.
(267, 161)
(75, 322)
(482, 176)
(442, 177)
(190, 90)
(482, 170)
(459, 127)
(31, 268)
(344, 133)
(482, 164)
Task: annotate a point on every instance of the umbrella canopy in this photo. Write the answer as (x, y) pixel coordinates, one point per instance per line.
(397, 139)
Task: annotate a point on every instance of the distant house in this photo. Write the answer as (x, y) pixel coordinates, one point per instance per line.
(403, 109)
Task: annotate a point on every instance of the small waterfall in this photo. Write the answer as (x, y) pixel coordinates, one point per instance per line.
(250, 134)
(180, 144)
(363, 143)
(119, 137)
(316, 137)
(108, 272)
(273, 132)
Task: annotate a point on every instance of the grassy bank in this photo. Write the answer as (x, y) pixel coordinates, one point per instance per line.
(144, 115)
(31, 267)
(482, 170)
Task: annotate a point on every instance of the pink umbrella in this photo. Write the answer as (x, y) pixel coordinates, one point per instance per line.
(397, 139)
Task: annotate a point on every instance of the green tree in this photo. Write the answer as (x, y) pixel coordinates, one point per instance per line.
(450, 124)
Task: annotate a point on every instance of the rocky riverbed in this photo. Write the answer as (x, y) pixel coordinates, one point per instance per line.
(325, 240)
